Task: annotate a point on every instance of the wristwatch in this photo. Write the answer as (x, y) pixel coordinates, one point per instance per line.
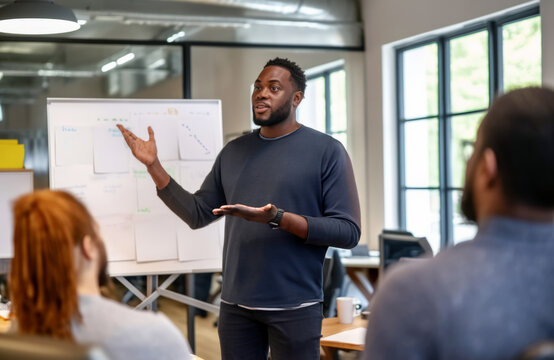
(274, 223)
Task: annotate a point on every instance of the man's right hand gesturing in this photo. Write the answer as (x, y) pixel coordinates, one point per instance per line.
(147, 153)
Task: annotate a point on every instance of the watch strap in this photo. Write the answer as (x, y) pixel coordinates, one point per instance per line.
(276, 221)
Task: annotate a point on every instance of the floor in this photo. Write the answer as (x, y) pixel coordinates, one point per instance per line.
(207, 340)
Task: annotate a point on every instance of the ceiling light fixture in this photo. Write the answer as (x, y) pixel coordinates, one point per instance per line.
(109, 66)
(156, 64)
(176, 36)
(36, 17)
(125, 58)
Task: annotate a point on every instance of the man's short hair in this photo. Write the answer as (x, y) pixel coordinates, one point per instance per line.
(296, 72)
(519, 128)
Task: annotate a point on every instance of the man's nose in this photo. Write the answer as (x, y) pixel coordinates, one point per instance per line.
(262, 94)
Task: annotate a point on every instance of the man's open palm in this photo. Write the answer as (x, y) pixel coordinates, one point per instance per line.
(145, 151)
(262, 214)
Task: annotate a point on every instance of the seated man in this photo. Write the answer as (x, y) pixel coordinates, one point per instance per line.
(58, 267)
(492, 297)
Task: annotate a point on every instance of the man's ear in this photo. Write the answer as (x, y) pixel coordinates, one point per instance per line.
(490, 166)
(88, 249)
(297, 98)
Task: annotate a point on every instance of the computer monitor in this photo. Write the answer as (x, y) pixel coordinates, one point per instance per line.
(395, 245)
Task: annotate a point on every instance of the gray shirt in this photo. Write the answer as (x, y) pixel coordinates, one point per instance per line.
(124, 333)
(489, 298)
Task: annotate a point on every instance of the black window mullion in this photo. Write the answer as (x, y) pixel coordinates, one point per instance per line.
(447, 114)
(420, 188)
(420, 118)
(444, 132)
(498, 59)
(187, 72)
(401, 138)
(494, 61)
(462, 113)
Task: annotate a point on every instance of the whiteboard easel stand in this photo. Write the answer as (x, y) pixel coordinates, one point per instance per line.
(154, 292)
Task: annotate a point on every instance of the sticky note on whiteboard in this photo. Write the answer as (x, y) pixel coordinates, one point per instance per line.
(73, 145)
(165, 133)
(156, 238)
(118, 233)
(196, 140)
(111, 154)
(200, 243)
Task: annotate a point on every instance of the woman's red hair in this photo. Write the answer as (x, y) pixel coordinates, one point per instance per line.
(43, 283)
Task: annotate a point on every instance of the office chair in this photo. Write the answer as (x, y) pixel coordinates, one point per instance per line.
(396, 245)
(333, 279)
(543, 350)
(31, 347)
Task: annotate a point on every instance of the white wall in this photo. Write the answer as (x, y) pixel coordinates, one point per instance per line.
(227, 73)
(390, 21)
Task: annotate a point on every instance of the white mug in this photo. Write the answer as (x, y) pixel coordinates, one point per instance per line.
(347, 308)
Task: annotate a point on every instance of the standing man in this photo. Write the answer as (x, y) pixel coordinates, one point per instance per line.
(493, 297)
(290, 193)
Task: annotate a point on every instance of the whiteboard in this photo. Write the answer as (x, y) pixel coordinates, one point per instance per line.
(13, 183)
(89, 158)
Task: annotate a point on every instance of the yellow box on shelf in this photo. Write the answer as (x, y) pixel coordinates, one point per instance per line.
(12, 154)
(8, 142)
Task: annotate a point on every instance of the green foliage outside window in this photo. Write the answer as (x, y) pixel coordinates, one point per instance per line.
(521, 44)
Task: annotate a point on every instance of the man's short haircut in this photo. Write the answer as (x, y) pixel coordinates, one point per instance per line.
(296, 72)
(519, 128)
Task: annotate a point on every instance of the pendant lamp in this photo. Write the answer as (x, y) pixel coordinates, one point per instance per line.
(36, 17)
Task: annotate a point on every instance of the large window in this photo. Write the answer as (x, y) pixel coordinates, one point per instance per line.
(445, 85)
(324, 104)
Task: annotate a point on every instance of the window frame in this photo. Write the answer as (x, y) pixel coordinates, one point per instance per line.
(444, 114)
(326, 75)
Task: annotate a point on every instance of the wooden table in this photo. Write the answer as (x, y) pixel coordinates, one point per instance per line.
(364, 273)
(332, 326)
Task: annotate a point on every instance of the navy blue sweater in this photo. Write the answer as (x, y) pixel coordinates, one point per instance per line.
(305, 172)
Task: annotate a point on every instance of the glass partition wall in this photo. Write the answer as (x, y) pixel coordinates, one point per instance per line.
(31, 72)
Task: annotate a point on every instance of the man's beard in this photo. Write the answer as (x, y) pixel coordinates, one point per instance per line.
(467, 203)
(280, 115)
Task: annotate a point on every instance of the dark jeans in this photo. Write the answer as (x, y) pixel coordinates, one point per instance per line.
(291, 334)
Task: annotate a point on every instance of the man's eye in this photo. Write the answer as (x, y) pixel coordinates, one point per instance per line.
(275, 88)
